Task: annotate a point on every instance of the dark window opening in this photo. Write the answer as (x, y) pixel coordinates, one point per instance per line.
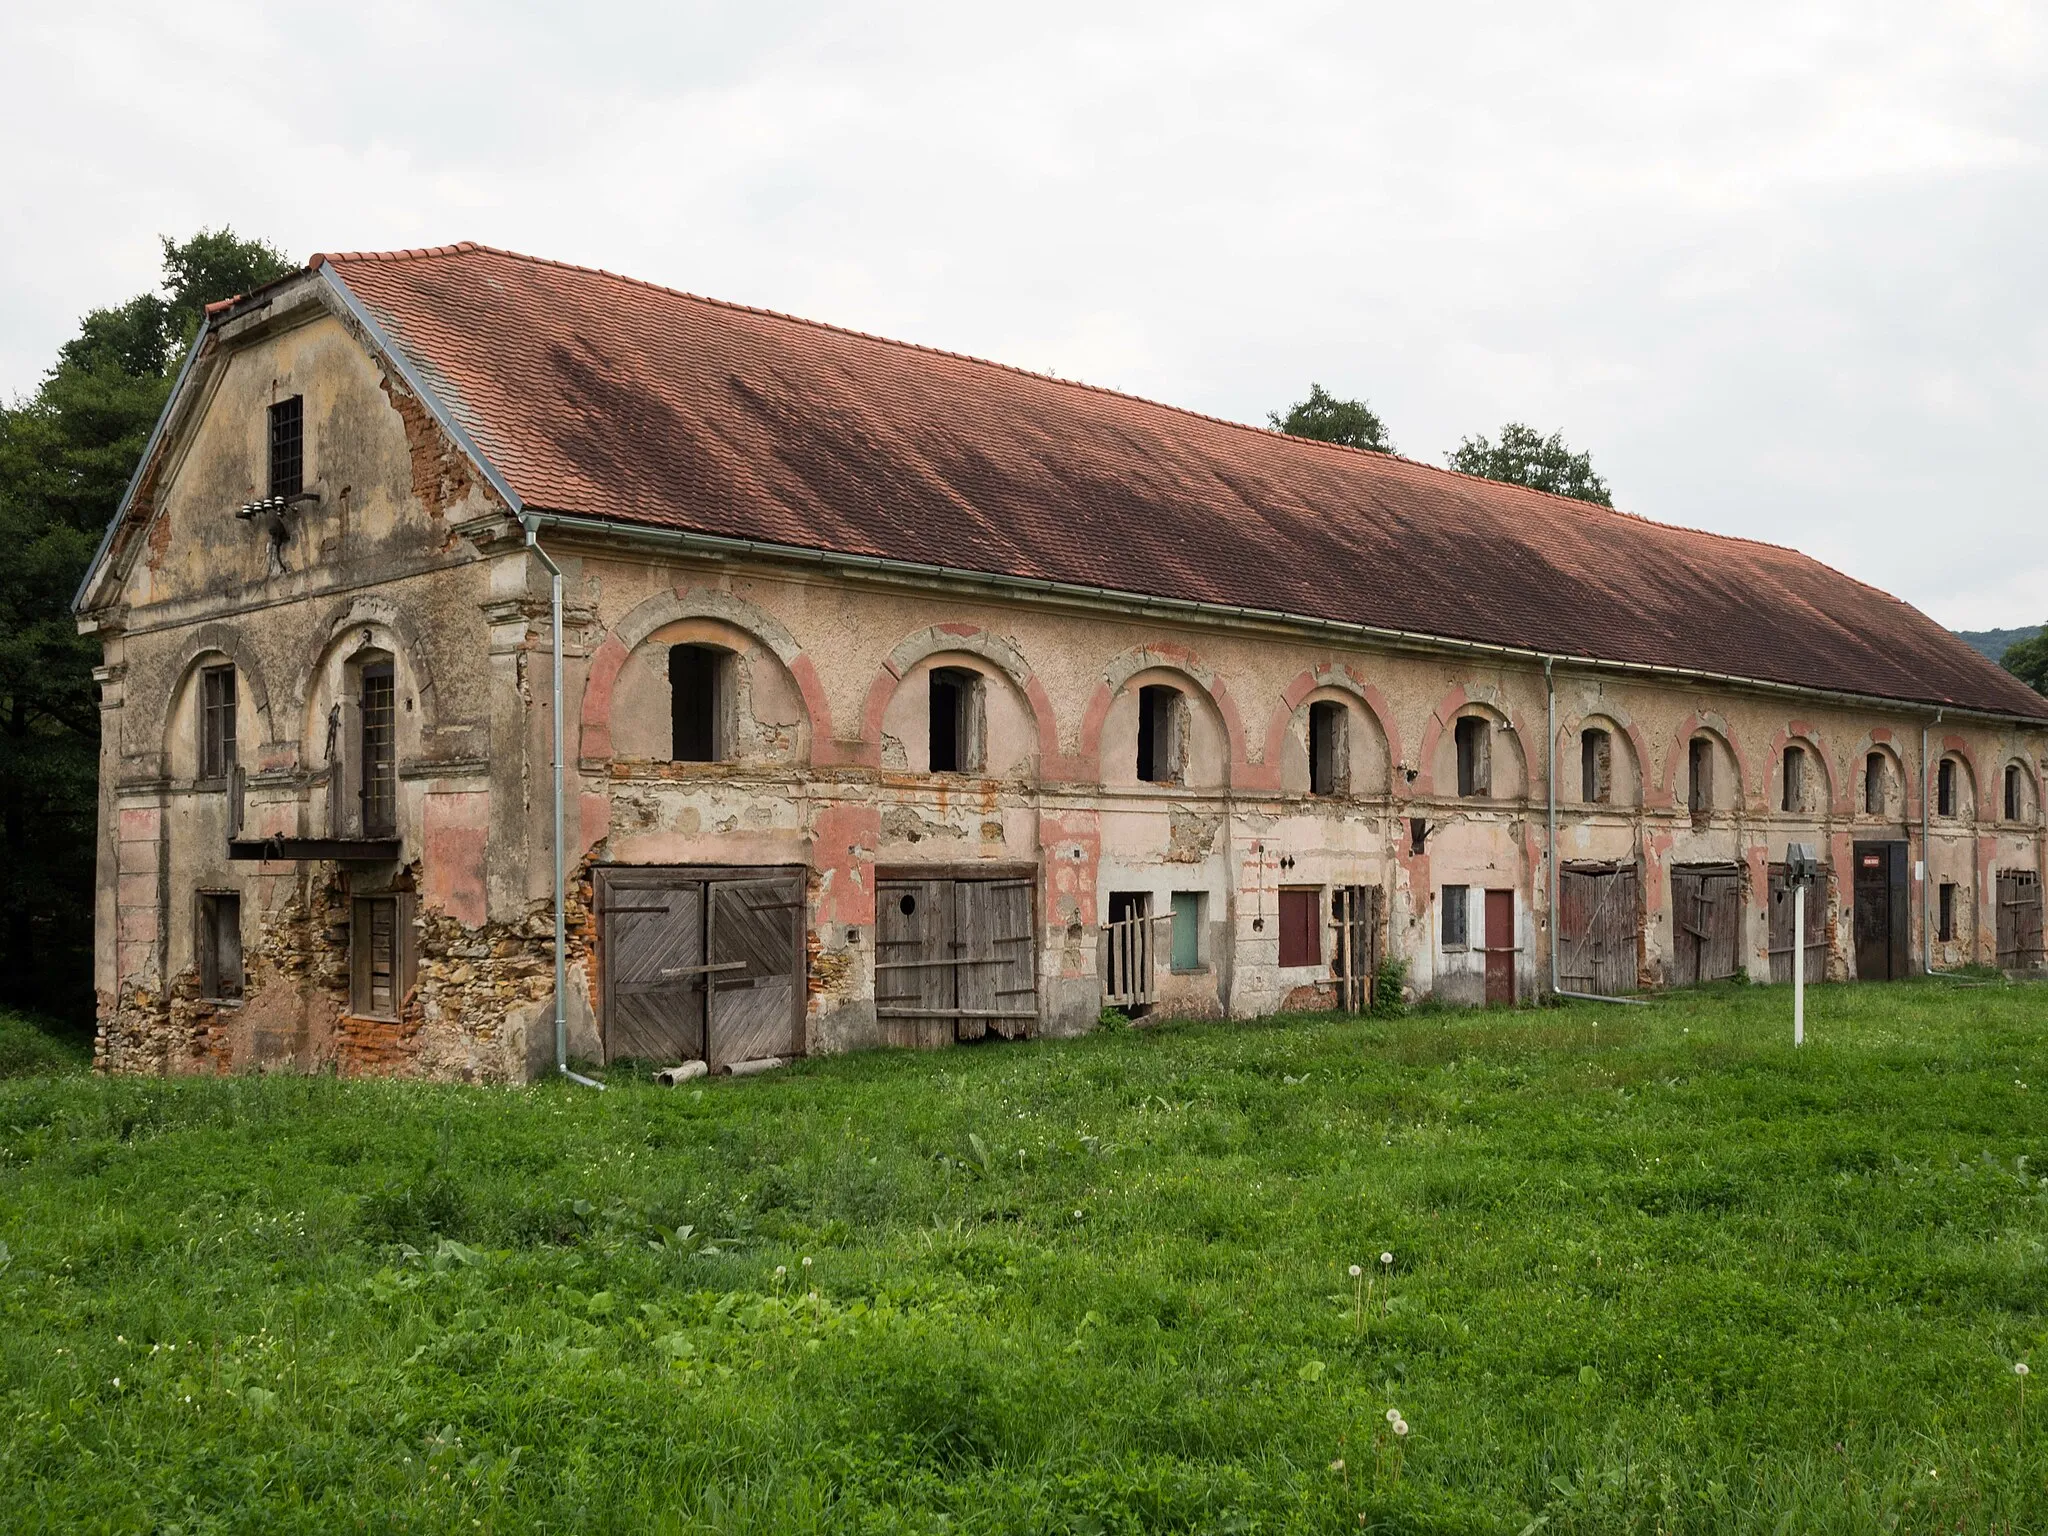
(1457, 929)
(1162, 745)
(1301, 925)
(1873, 784)
(287, 447)
(2013, 802)
(1945, 918)
(696, 685)
(1945, 788)
(956, 720)
(216, 722)
(1475, 756)
(377, 957)
(380, 749)
(220, 945)
(1596, 766)
(1795, 779)
(1418, 835)
(1699, 783)
(1328, 748)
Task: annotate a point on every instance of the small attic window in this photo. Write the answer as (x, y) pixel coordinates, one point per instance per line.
(288, 446)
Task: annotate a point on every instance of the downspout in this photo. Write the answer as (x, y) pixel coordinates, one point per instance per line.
(1926, 859)
(561, 919)
(1550, 853)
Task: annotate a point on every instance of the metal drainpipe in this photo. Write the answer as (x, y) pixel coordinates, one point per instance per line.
(561, 919)
(1550, 853)
(1926, 859)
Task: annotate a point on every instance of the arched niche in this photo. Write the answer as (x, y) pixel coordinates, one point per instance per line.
(359, 779)
(1880, 788)
(1800, 758)
(756, 710)
(214, 648)
(959, 711)
(1167, 712)
(1954, 766)
(1365, 766)
(2022, 808)
(1705, 772)
(1598, 753)
(1504, 773)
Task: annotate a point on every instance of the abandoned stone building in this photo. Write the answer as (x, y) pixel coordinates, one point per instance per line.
(830, 692)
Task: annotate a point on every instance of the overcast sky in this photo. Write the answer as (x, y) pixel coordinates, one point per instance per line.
(1780, 268)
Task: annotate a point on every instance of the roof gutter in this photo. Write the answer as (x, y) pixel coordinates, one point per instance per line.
(721, 545)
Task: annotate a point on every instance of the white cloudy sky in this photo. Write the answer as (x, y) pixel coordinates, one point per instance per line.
(1779, 267)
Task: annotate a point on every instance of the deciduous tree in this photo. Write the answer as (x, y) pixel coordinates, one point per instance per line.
(2028, 661)
(1327, 419)
(1524, 456)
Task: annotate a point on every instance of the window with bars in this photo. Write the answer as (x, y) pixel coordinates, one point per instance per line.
(380, 956)
(216, 722)
(380, 749)
(288, 447)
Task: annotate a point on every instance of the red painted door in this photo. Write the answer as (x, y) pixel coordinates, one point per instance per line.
(1500, 946)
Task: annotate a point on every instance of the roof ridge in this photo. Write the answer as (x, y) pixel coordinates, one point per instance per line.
(467, 247)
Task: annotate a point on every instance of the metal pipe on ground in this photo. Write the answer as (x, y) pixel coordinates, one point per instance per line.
(561, 918)
(1550, 848)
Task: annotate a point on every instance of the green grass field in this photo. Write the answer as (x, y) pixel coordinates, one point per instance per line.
(1652, 1271)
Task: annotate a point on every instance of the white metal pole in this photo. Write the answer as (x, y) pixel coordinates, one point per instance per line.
(1799, 964)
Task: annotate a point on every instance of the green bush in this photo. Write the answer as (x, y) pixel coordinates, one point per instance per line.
(1389, 983)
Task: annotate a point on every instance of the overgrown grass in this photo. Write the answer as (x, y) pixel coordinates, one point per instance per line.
(1652, 1271)
(32, 1049)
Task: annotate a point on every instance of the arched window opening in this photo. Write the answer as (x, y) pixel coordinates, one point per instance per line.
(698, 683)
(1475, 756)
(378, 706)
(1945, 788)
(957, 720)
(1699, 782)
(1873, 784)
(2014, 804)
(1329, 748)
(1795, 779)
(216, 722)
(1596, 766)
(1162, 734)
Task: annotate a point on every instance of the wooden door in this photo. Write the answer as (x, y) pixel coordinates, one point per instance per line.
(754, 943)
(1355, 943)
(1127, 971)
(1599, 928)
(1500, 946)
(1706, 922)
(913, 945)
(652, 928)
(1878, 904)
(997, 972)
(2019, 920)
(1781, 940)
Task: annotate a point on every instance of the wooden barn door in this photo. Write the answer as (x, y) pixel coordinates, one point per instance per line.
(1878, 901)
(1500, 946)
(955, 959)
(1781, 940)
(1599, 927)
(652, 925)
(1706, 922)
(2019, 921)
(754, 938)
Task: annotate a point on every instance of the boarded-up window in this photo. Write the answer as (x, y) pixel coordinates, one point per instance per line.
(1162, 734)
(955, 959)
(1457, 925)
(380, 956)
(288, 447)
(216, 722)
(1328, 748)
(379, 712)
(1189, 910)
(1699, 776)
(1795, 779)
(956, 720)
(1945, 788)
(1873, 784)
(697, 680)
(1475, 756)
(1596, 766)
(1301, 924)
(220, 944)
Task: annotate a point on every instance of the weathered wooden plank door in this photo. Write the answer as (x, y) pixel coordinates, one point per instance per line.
(1599, 928)
(1879, 921)
(1781, 941)
(1500, 946)
(2019, 921)
(1706, 923)
(652, 928)
(754, 943)
(913, 944)
(1128, 980)
(996, 979)
(1355, 943)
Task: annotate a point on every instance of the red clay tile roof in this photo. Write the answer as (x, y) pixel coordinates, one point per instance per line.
(598, 395)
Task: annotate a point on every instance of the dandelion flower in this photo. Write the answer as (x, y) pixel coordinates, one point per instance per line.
(1393, 1415)
(781, 1270)
(2020, 1369)
(1400, 1426)
(807, 1261)
(1356, 1271)
(1386, 1258)
(1337, 1465)
(117, 1381)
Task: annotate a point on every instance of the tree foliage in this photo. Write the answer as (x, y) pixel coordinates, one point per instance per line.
(1327, 419)
(2028, 661)
(1524, 456)
(66, 453)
